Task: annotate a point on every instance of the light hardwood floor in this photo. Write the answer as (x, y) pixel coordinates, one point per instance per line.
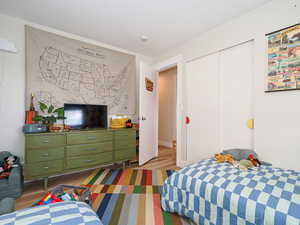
(34, 191)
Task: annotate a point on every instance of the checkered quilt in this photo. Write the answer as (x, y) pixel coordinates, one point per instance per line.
(219, 194)
(61, 213)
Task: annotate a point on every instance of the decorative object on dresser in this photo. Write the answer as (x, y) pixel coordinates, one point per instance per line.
(50, 116)
(31, 113)
(49, 154)
(118, 121)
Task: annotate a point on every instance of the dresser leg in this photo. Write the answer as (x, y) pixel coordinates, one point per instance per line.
(45, 183)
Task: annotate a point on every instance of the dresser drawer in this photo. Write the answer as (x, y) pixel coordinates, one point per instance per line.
(127, 143)
(124, 133)
(87, 161)
(87, 149)
(45, 141)
(43, 168)
(125, 154)
(45, 154)
(89, 137)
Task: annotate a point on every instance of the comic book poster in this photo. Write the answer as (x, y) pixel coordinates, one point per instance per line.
(284, 59)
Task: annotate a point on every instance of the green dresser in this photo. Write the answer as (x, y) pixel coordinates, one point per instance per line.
(49, 154)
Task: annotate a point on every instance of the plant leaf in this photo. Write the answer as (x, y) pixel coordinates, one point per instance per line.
(60, 112)
(38, 118)
(61, 117)
(50, 119)
(43, 106)
(50, 110)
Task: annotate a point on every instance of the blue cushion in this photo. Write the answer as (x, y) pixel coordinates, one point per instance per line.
(240, 154)
(7, 205)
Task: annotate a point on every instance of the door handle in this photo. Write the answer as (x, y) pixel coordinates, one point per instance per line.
(91, 138)
(143, 118)
(187, 120)
(250, 124)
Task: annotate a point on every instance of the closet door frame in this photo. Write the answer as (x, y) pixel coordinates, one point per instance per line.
(190, 156)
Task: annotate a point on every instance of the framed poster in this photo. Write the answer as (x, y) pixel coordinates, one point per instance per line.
(284, 59)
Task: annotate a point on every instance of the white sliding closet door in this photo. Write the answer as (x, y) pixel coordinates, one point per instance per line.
(203, 107)
(236, 87)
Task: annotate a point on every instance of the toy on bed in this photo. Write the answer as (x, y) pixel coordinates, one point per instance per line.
(244, 164)
(9, 163)
(48, 199)
(220, 158)
(254, 160)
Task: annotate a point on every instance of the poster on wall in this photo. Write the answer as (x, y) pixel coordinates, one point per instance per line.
(284, 59)
(62, 70)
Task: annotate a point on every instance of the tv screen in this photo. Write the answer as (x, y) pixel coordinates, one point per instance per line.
(81, 116)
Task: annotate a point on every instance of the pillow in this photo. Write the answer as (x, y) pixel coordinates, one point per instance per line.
(240, 154)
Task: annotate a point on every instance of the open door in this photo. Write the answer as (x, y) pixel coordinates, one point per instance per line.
(148, 146)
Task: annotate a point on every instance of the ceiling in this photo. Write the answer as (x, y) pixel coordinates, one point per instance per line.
(167, 23)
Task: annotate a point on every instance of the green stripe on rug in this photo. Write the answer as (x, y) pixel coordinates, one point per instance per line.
(167, 218)
(93, 180)
(117, 211)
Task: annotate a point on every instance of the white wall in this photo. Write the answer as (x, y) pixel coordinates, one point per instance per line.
(167, 107)
(12, 81)
(277, 120)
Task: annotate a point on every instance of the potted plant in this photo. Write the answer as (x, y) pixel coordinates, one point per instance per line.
(50, 115)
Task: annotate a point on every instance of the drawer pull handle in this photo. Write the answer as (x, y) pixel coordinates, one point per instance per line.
(89, 161)
(46, 167)
(91, 138)
(45, 155)
(91, 149)
(46, 141)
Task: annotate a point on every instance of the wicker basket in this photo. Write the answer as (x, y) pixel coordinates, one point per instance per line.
(85, 193)
(118, 123)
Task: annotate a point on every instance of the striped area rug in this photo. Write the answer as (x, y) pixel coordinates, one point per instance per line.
(130, 197)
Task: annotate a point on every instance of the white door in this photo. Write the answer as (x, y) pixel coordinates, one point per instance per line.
(236, 86)
(203, 107)
(148, 145)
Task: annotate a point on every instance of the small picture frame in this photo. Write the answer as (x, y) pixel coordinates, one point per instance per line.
(149, 84)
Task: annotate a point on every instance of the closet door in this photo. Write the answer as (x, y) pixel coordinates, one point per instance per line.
(203, 107)
(236, 86)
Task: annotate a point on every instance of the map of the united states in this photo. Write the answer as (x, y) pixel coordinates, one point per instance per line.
(84, 79)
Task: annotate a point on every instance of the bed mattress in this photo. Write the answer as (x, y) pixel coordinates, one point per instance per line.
(71, 213)
(218, 194)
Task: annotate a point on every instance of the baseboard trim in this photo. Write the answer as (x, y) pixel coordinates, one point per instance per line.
(182, 164)
(165, 143)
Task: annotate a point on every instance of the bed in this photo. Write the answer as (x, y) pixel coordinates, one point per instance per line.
(71, 213)
(219, 194)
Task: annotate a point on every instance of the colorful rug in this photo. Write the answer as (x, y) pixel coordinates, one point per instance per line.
(130, 197)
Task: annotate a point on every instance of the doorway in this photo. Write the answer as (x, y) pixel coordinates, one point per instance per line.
(149, 111)
(167, 124)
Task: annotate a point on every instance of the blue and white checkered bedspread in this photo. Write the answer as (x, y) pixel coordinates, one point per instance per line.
(61, 213)
(219, 194)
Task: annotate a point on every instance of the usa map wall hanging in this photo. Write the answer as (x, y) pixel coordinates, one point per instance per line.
(284, 59)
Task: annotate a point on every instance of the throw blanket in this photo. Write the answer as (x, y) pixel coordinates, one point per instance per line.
(219, 194)
(70, 213)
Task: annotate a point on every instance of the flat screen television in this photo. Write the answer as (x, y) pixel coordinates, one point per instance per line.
(82, 116)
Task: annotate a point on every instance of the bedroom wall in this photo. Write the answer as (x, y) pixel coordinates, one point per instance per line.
(167, 107)
(12, 81)
(277, 120)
